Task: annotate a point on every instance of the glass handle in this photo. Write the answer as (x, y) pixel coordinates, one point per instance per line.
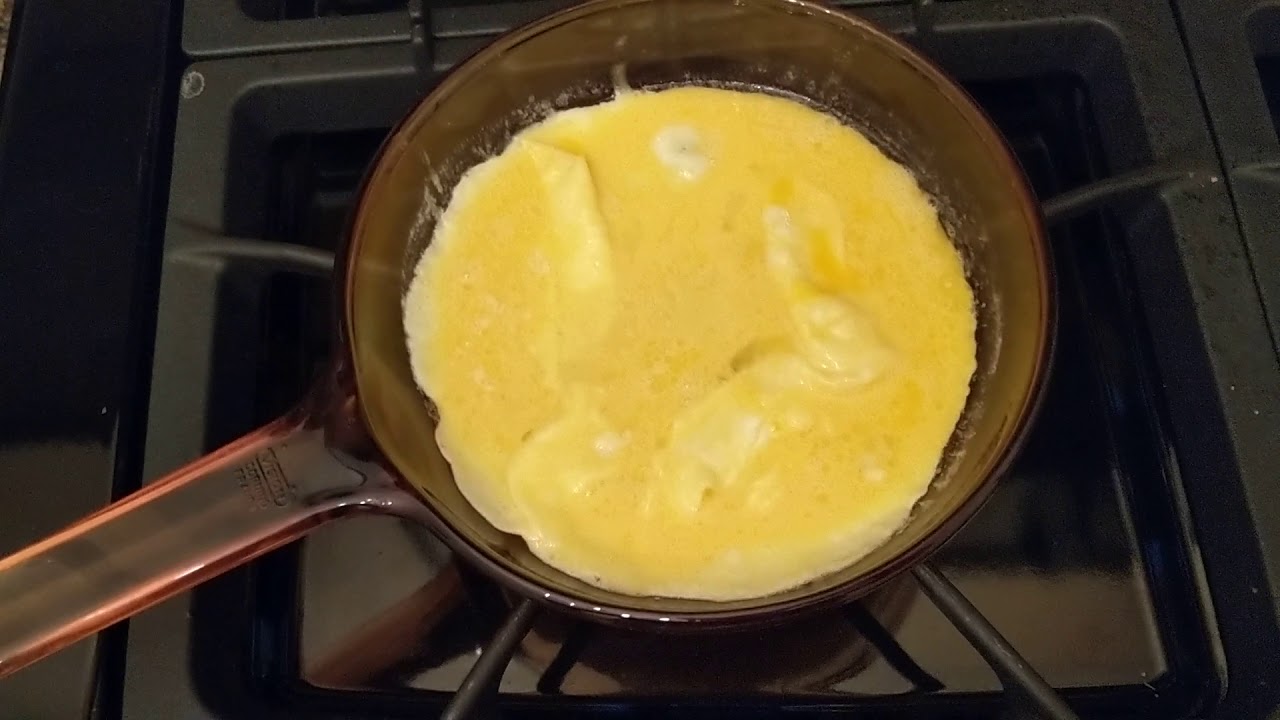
(235, 504)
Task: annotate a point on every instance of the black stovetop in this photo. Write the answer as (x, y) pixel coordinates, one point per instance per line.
(1125, 556)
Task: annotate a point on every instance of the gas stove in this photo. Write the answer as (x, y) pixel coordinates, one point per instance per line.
(1130, 557)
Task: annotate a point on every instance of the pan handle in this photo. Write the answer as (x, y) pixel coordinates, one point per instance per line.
(253, 495)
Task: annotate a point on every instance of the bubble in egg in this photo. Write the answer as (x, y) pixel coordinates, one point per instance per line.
(716, 342)
(679, 148)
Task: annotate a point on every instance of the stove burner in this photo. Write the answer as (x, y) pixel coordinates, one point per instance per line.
(1086, 558)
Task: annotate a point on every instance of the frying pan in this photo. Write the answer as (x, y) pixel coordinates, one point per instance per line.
(362, 441)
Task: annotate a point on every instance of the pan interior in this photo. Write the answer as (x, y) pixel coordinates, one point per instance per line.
(828, 60)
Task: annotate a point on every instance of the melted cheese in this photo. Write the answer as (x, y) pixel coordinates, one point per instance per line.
(694, 343)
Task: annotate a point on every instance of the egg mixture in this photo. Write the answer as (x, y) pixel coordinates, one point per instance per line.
(693, 343)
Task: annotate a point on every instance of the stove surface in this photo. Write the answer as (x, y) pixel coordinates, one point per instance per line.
(1057, 546)
(1123, 556)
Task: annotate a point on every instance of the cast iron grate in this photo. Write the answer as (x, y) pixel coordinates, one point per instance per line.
(299, 9)
(1069, 497)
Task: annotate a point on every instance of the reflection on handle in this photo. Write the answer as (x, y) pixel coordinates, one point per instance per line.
(394, 636)
(251, 496)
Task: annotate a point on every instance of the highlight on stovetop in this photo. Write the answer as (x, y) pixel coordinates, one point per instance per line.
(695, 342)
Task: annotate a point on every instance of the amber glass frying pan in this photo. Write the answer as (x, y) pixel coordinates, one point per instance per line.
(363, 440)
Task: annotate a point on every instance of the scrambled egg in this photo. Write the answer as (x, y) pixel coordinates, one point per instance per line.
(694, 343)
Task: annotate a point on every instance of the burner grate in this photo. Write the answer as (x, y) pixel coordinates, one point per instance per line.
(1066, 510)
(298, 9)
(1096, 502)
